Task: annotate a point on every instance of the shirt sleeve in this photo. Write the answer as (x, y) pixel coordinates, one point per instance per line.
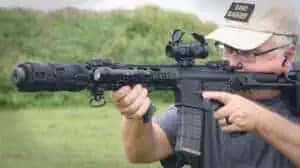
(168, 122)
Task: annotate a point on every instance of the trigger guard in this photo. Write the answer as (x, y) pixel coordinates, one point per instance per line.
(212, 105)
(215, 105)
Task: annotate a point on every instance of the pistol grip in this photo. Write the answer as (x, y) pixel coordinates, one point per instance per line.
(215, 105)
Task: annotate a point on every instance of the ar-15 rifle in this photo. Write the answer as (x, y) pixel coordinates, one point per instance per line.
(185, 79)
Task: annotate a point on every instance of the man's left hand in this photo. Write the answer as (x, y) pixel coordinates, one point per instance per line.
(243, 113)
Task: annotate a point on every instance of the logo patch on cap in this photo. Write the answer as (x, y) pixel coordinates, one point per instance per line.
(240, 11)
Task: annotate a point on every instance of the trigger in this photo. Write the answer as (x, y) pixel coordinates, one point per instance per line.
(215, 105)
(211, 105)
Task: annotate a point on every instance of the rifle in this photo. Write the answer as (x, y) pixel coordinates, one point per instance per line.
(185, 79)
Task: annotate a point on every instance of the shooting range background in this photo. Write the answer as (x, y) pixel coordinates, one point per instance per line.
(72, 35)
(76, 31)
(60, 129)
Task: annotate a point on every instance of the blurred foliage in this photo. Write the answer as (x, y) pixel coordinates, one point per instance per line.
(71, 35)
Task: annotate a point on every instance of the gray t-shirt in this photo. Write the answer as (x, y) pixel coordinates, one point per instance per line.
(224, 151)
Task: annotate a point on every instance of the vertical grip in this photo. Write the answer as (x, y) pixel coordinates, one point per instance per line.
(148, 115)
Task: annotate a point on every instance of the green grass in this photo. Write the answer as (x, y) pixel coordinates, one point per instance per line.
(64, 138)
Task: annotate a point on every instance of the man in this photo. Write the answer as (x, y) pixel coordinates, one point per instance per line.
(261, 40)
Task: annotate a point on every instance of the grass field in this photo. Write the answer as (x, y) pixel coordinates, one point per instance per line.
(63, 138)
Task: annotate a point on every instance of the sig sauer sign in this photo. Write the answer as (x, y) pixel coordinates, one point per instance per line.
(240, 11)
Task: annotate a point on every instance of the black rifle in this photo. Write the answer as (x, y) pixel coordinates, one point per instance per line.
(185, 79)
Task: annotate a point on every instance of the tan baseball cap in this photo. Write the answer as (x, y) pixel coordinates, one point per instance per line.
(248, 25)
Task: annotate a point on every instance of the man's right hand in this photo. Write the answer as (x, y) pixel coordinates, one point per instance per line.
(144, 143)
(132, 103)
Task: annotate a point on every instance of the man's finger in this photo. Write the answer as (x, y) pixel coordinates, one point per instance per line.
(223, 97)
(222, 112)
(133, 95)
(131, 109)
(222, 123)
(119, 94)
(231, 128)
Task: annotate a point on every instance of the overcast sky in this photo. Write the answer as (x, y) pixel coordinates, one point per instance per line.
(206, 9)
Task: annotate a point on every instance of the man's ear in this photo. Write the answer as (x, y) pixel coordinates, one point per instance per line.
(290, 53)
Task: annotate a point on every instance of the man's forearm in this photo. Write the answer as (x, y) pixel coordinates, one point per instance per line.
(282, 133)
(138, 139)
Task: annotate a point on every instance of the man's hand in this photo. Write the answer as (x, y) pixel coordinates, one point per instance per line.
(244, 114)
(132, 102)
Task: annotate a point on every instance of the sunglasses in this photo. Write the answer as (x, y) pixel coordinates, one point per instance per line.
(255, 53)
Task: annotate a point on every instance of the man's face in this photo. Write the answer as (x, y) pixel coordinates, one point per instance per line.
(270, 62)
(265, 62)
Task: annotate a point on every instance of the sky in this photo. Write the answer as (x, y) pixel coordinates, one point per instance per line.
(212, 10)
(205, 9)
(209, 10)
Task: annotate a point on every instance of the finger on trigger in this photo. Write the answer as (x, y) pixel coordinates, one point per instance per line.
(231, 128)
(221, 113)
(222, 123)
(220, 96)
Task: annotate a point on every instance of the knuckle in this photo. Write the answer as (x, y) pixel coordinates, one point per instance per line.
(143, 106)
(138, 87)
(237, 107)
(121, 91)
(122, 111)
(235, 96)
(242, 115)
(132, 97)
(142, 89)
(147, 100)
(144, 92)
(128, 99)
(132, 108)
(117, 105)
(243, 124)
(135, 105)
(116, 96)
(115, 99)
(124, 89)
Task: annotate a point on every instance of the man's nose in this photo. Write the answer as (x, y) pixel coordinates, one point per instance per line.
(233, 60)
(236, 63)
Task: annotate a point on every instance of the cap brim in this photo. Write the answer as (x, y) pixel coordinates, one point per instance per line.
(239, 38)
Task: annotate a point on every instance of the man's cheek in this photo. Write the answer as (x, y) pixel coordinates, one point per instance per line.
(254, 68)
(263, 68)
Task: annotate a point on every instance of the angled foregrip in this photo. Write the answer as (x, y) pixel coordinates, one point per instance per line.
(148, 115)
